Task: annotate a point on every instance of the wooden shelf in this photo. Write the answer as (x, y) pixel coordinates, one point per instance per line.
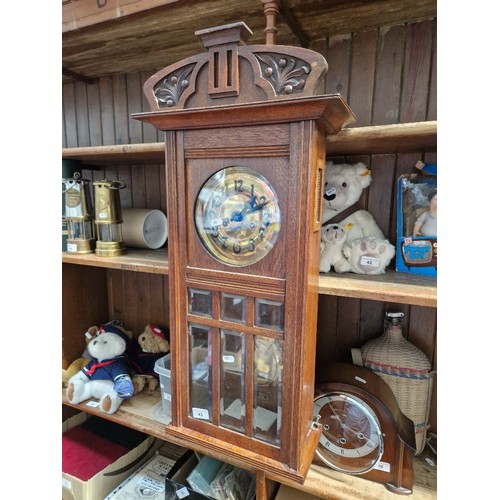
(390, 287)
(125, 154)
(403, 137)
(396, 138)
(137, 413)
(144, 261)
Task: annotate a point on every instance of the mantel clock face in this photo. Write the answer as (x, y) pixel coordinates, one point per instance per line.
(351, 440)
(237, 216)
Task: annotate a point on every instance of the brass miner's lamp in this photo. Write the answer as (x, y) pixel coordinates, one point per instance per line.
(79, 214)
(108, 218)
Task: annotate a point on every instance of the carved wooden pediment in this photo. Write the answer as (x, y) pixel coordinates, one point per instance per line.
(231, 72)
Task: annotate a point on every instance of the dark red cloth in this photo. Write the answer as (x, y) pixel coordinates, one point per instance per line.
(84, 454)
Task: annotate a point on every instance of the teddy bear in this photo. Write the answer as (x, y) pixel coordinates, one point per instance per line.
(362, 256)
(333, 237)
(369, 255)
(151, 345)
(351, 239)
(76, 365)
(106, 376)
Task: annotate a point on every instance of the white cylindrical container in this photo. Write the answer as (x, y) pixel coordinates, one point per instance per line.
(144, 228)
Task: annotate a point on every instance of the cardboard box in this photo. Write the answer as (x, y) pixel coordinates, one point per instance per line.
(110, 477)
(288, 493)
(416, 253)
(176, 485)
(146, 482)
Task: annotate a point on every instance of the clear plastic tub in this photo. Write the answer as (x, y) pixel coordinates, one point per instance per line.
(162, 368)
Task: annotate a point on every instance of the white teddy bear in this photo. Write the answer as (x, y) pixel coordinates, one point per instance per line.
(351, 239)
(369, 255)
(106, 376)
(333, 238)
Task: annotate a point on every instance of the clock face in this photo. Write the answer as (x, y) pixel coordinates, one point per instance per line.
(237, 216)
(351, 439)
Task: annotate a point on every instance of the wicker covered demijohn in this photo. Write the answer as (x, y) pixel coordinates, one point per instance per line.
(407, 371)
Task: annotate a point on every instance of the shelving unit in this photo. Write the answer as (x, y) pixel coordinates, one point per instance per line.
(136, 414)
(390, 287)
(103, 283)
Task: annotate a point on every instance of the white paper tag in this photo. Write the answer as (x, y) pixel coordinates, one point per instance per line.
(228, 358)
(93, 404)
(71, 247)
(369, 261)
(182, 493)
(103, 215)
(150, 484)
(201, 413)
(167, 396)
(216, 222)
(383, 466)
(235, 409)
(331, 191)
(264, 419)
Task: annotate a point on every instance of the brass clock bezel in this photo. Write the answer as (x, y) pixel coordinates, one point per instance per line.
(237, 216)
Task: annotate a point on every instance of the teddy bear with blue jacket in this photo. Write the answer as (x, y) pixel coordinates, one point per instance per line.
(107, 375)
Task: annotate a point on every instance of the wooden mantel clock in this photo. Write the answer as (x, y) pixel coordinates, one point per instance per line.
(245, 151)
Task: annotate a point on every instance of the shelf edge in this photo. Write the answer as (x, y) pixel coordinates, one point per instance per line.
(395, 138)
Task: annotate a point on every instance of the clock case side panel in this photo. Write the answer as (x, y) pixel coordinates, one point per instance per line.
(174, 165)
(307, 150)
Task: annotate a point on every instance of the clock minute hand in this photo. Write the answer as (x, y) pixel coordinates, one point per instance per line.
(261, 206)
(238, 216)
(345, 426)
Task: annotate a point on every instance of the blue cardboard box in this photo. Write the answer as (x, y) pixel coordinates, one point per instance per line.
(416, 246)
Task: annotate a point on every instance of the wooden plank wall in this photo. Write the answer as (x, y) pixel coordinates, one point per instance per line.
(386, 75)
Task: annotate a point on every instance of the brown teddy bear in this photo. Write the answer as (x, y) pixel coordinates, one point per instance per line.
(151, 345)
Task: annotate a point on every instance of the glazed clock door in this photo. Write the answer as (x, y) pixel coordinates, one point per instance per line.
(233, 279)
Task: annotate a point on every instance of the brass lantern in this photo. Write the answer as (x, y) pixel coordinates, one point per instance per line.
(108, 218)
(79, 214)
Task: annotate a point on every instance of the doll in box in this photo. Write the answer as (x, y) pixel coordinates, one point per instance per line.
(426, 223)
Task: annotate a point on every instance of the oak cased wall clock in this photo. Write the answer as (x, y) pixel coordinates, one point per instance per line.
(245, 138)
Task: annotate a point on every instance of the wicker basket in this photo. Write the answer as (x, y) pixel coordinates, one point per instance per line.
(406, 370)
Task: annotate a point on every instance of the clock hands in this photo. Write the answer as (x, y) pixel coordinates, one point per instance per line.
(344, 426)
(238, 216)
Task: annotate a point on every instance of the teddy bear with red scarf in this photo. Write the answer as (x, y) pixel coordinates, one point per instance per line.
(107, 375)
